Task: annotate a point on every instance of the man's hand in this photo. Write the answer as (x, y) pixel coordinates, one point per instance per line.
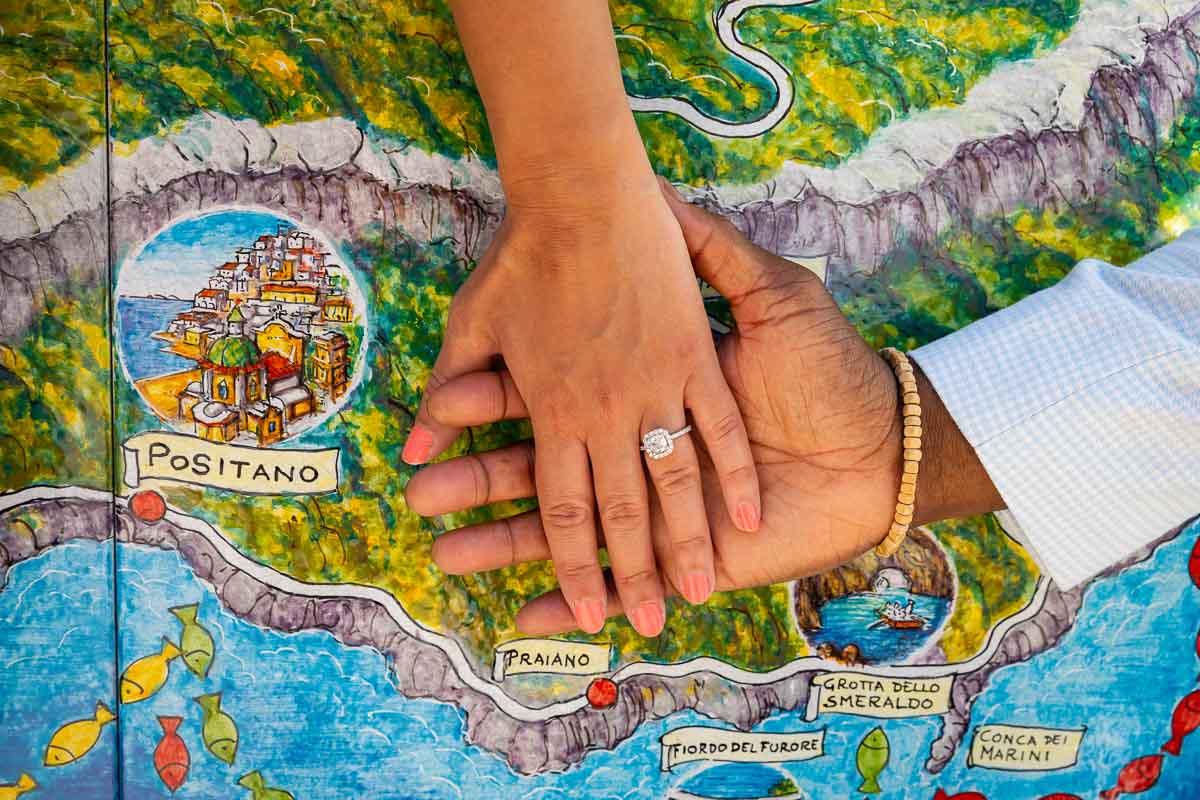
(820, 408)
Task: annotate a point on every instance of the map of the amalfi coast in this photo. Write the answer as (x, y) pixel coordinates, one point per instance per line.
(229, 236)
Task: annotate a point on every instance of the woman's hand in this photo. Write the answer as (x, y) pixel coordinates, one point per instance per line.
(821, 410)
(593, 305)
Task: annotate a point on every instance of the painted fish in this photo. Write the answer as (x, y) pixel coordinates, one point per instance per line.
(872, 757)
(195, 641)
(940, 794)
(1185, 720)
(171, 758)
(144, 677)
(255, 783)
(1136, 776)
(14, 790)
(73, 740)
(220, 731)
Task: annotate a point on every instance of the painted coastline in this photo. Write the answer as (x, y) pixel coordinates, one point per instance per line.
(41, 518)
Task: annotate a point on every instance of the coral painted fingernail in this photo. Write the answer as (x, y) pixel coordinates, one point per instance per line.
(697, 587)
(648, 618)
(418, 447)
(747, 517)
(590, 615)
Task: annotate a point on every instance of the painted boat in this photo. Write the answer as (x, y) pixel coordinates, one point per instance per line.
(902, 624)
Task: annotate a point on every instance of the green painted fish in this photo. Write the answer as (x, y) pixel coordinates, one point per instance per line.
(195, 642)
(872, 758)
(255, 783)
(220, 732)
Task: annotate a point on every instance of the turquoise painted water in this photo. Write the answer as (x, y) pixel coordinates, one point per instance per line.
(852, 619)
(737, 781)
(143, 355)
(325, 721)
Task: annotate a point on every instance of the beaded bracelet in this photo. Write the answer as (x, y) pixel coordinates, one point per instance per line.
(911, 409)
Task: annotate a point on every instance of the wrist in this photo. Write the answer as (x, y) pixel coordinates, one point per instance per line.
(594, 170)
(952, 480)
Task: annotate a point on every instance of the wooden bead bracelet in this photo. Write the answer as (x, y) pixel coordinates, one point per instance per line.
(911, 409)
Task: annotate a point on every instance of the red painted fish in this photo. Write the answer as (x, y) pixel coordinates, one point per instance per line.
(1185, 720)
(941, 795)
(1136, 776)
(1198, 651)
(171, 757)
(1194, 564)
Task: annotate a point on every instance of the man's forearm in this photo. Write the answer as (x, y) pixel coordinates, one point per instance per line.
(550, 79)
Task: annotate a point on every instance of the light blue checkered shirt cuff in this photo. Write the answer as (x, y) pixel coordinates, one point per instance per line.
(1083, 403)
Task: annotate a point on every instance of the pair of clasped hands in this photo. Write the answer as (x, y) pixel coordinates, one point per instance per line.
(793, 463)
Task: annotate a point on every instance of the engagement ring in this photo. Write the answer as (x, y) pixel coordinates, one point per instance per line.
(660, 442)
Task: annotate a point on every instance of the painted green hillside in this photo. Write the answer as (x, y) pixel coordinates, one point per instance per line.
(397, 69)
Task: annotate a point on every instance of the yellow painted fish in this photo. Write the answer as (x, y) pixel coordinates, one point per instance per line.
(12, 791)
(144, 677)
(72, 741)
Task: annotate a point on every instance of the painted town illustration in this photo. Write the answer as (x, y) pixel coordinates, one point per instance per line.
(265, 335)
(229, 237)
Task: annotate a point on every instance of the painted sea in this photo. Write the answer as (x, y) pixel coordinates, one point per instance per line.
(325, 721)
(138, 318)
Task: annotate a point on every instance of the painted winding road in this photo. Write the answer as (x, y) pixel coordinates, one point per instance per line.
(459, 659)
(726, 20)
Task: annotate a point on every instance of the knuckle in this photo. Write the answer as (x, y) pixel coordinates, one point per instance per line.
(634, 578)
(437, 379)
(623, 515)
(498, 406)
(725, 427)
(435, 403)
(574, 571)
(689, 541)
(566, 513)
(718, 245)
(529, 462)
(738, 473)
(482, 481)
(509, 540)
(678, 479)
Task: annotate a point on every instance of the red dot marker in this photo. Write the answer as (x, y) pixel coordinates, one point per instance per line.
(602, 693)
(148, 506)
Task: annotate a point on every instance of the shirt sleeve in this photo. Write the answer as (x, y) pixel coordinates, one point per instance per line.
(1083, 403)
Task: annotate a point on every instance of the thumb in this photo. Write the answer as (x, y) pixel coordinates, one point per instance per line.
(727, 260)
(460, 354)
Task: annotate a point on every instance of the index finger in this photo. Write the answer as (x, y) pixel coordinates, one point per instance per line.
(477, 398)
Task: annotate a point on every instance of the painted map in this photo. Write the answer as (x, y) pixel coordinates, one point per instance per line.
(229, 235)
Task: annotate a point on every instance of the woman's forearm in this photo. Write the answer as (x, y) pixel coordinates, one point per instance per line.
(550, 80)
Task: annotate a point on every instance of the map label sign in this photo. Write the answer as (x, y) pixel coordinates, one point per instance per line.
(701, 743)
(553, 656)
(864, 695)
(179, 458)
(1024, 749)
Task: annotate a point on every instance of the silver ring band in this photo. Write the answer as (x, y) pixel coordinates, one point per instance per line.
(660, 442)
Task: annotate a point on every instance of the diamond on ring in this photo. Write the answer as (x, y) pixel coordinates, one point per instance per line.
(660, 443)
